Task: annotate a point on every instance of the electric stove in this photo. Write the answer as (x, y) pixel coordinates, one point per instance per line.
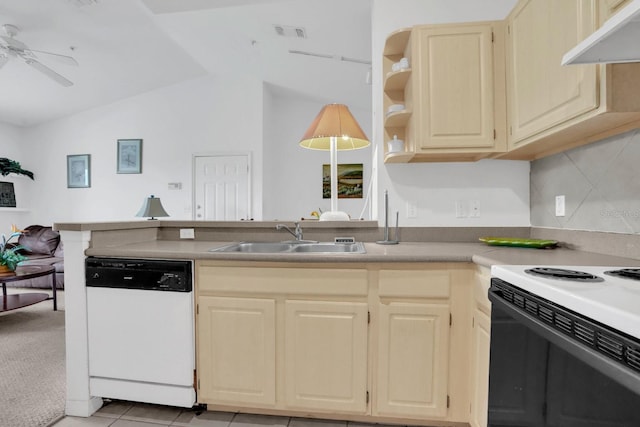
(608, 295)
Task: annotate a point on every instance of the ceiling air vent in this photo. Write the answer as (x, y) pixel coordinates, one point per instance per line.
(286, 31)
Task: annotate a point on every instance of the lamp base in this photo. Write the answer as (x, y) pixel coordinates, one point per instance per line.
(334, 216)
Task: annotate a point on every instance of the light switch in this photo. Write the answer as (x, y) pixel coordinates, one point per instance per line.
(412, 209)
(461, 209)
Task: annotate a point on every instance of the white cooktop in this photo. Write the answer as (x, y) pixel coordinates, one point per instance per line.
(614, 301)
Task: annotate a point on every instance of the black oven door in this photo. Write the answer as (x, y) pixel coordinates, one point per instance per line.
(540, 378)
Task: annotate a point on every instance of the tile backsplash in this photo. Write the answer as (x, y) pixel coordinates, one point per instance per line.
(600, 182)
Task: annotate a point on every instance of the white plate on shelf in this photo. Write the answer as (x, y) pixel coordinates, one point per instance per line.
(393, 108)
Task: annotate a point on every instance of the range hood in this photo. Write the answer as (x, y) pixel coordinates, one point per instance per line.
(618, 40)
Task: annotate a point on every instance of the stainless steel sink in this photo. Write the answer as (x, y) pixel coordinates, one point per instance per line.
(293, 247)
(330, 247)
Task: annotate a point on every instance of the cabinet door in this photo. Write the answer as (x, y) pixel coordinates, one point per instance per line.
(326, 355)
(542, 93)
(413, 354)
(608, 8)
(456, 87)
(236, 350)
(480, 369)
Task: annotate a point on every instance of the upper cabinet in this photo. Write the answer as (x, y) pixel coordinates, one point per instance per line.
(608, 8)
(551, 107)
(446, 98)
(498, 89)
(542, 93)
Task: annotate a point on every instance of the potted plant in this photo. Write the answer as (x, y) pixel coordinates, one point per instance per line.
(7, 193)
(9, 256)
(8, 166)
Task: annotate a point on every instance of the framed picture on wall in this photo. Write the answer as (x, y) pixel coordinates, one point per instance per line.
(349, 181)
(79, 171)
(129, 156)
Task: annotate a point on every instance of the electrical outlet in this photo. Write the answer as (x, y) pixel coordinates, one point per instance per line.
(560, 206)
(474, 209)
(412, 209)
(187, 233)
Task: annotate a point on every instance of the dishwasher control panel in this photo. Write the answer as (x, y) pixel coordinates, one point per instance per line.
(145, 274)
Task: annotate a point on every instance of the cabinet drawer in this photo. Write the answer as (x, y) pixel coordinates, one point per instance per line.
(279, 280)
(414, 284)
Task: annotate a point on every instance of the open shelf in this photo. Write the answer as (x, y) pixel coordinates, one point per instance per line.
(397, 80)
(14, 210)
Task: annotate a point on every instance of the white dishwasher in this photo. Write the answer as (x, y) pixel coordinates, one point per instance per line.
(140, 330)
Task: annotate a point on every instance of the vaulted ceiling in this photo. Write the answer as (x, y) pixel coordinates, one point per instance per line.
(127, 47)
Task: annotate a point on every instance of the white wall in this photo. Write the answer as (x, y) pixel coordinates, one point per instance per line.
(206, 115)
(236, 113)
(293, 175)
(12, 147)
(500, 187)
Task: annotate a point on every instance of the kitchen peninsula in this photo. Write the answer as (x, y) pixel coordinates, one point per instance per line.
(401, 347)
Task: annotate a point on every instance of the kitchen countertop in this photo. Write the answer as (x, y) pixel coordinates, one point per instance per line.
(478, 253)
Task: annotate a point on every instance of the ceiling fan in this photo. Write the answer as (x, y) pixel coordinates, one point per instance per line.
(13, 48)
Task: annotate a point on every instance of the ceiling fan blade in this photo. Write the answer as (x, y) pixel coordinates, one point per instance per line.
(48, 72)
(13, 43)
(61, 58)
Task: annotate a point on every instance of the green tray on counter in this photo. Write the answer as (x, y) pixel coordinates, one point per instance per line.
(519, 242)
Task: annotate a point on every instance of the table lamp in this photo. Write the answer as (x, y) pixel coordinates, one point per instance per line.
(152, 208)
(333, 129)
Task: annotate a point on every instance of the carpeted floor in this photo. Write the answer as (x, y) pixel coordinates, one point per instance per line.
(32, 364)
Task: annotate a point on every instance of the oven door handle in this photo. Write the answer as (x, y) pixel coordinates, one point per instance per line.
(625, 376)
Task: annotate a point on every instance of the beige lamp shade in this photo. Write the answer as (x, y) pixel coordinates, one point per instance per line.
(334, 120)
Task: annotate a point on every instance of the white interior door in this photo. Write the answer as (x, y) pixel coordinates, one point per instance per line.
(222, 187)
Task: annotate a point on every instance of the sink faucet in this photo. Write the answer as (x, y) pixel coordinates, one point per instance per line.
(297, 233)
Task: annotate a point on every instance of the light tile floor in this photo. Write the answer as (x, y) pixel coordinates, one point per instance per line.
(126, 414)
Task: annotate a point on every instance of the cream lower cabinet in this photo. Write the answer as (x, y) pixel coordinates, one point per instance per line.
(363, 343)
(282, 338)
(237, 350)
(326, 355)
(413, 353)
(413, 344)
(480, 369)
(480, 348)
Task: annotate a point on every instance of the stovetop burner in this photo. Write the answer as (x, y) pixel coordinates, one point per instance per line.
(627, 273)
(564, 274)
